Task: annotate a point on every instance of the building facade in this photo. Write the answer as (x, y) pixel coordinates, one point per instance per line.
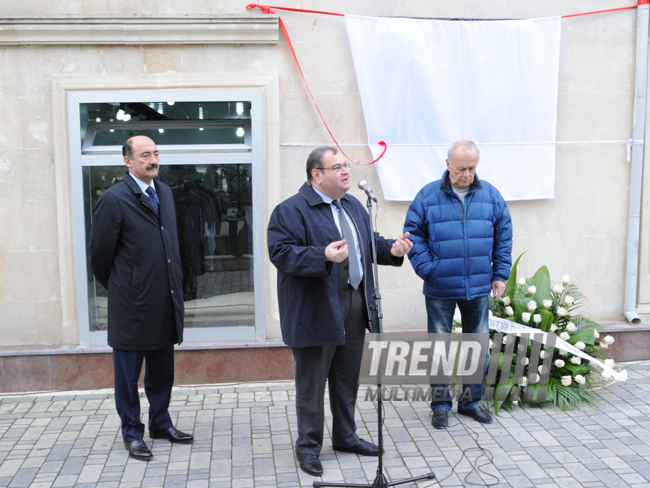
(215, 85)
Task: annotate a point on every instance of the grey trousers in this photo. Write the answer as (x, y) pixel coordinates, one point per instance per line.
(340, 366)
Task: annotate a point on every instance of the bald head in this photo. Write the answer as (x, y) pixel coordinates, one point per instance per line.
(141, 157)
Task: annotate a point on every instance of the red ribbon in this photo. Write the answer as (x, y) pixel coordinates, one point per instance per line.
(267, 10)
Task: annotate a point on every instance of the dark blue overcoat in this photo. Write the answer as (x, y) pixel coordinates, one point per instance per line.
(134, 254)
(300, 229)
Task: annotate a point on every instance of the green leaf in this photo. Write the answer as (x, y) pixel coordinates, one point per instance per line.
(542, 281)
(547, 320)
(508, 387)
(582, 369)
(586, 336)
(547, 398)
(511, 284)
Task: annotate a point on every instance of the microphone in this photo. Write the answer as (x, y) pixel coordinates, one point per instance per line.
(363, 185)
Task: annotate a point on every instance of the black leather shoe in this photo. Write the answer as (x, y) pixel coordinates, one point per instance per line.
(138, 450)
(172, 435)
(364, 448)
(310, 464)
(439, 419)
(478, 414)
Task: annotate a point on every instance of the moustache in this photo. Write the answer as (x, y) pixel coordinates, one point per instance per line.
(152, 166)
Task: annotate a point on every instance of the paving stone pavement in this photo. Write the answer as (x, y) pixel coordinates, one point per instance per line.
(244, 436)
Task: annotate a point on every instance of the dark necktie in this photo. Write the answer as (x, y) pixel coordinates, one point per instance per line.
(154, 199)
(348, 235)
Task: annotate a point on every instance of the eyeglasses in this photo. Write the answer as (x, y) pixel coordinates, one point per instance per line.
(337, 167)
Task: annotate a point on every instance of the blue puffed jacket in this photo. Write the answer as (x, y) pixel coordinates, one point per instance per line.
(457, 254)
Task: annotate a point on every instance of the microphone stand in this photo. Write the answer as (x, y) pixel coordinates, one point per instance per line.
(380, 479)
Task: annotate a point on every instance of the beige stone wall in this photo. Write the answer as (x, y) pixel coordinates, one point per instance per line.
(581, 232)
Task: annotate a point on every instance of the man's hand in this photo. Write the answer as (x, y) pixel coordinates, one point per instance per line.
(336, 251)
(402, 246)
(498, 288)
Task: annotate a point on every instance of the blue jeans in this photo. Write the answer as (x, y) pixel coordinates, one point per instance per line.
(474, 316)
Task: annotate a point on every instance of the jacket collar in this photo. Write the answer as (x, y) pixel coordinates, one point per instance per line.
(313, 198)
(135, 188)
(445, 184)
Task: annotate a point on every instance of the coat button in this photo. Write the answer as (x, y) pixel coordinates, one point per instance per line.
(162, 228)
(172, 292)
(169, 260)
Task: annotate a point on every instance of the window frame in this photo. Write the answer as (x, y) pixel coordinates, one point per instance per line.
(172, 155)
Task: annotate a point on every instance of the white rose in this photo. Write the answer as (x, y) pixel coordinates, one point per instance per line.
(565, 279)
(580, 379)
(606, 375)
(559, 363)
(557, 288)
(608, 340)
(575, 360)
(535, 379)
(515, 402)
(553, 328)
(526, 361)
(581, 345)
(610, 363)
(506, 339)
(457, 330)
(541, 369)
(510, 311)
(525, 317)
(565, 336)
(532, 305)
(532, 289)
(603, 345)
(596, 334)
(561, 311)
(537, 318)
(571, 327)
(521, 281)
(564, 353)
(523, 381)
(569, 300)
(542, 354)
(547, 303)
(566, 380)
(491, 343)
(506, 300)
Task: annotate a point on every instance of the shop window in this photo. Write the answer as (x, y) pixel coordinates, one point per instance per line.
(207, 157)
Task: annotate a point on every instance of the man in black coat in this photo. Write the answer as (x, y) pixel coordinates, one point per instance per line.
(134, 255)
(319, 240)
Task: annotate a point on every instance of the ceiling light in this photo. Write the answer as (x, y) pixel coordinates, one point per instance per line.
(171, 103)
(98, 119)
(240, 132)
(161, 130)
(239, 108)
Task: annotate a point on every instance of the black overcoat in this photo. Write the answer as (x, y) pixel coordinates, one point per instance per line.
(300, 229)
(134, 254)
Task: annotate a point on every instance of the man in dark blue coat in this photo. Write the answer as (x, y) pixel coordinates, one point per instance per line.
(462, 244)
(319, 240)
(134, 254)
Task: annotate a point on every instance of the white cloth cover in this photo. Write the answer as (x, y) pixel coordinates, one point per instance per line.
(427, 83)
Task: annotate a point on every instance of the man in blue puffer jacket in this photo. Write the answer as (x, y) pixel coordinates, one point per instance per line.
(462, 244)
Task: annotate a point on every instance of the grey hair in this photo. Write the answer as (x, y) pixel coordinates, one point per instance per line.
(465, 145)
(315, 158)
